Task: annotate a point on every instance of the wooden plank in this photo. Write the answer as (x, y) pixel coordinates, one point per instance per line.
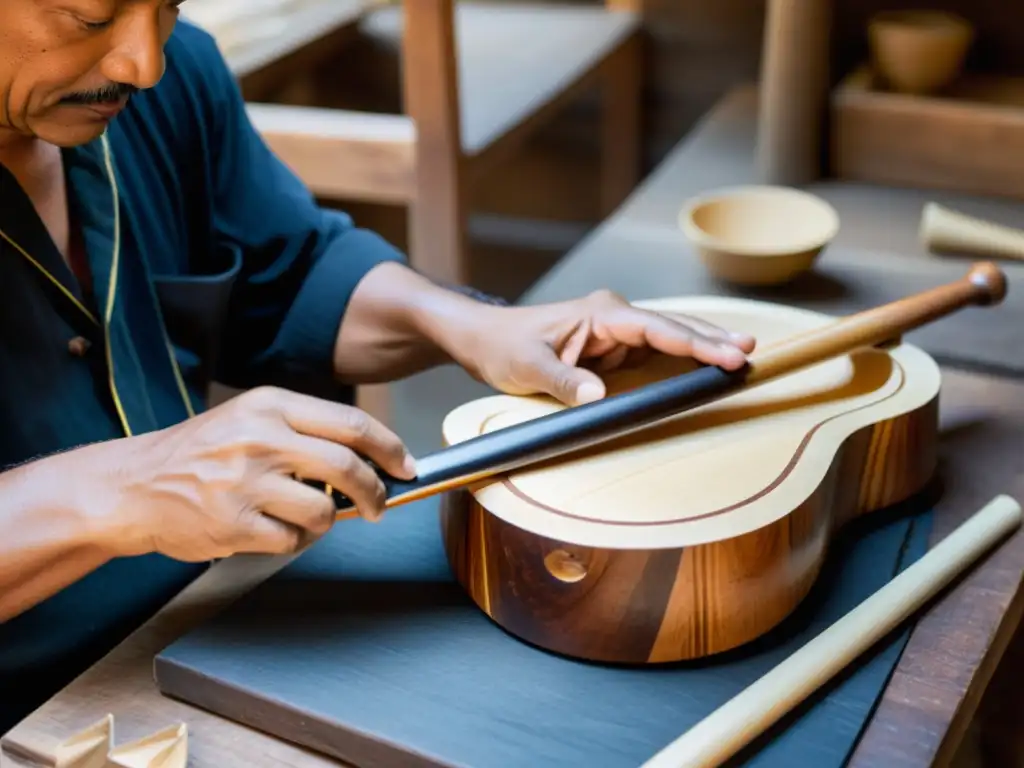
(876, 257)
(340, 154)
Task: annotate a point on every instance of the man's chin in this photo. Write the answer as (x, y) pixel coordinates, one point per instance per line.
(68, 133)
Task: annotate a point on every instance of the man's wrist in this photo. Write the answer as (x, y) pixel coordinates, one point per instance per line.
(450, 316)
(61, 489)
(401, 321)
(476, 295)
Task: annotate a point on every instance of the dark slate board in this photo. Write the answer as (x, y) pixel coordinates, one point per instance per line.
(365, 650)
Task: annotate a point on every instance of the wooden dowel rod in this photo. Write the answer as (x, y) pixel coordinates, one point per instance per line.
(748, 714)
(984, 284)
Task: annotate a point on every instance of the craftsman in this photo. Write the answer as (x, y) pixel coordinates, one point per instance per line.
(149, 244)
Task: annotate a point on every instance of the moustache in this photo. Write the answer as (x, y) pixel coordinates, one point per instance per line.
(105, 95)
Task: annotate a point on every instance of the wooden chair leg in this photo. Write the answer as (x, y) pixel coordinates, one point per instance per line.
(438, 242)
(621, 124)
(437, 214)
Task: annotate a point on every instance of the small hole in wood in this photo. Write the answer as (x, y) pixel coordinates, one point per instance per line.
(565, 566)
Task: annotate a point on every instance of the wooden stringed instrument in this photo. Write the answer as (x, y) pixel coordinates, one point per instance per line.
(690, 510)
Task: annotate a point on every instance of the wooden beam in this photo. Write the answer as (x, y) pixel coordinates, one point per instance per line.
(340, 154)
(437, 219)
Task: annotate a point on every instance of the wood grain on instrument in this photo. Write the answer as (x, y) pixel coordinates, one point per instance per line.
(705, 532)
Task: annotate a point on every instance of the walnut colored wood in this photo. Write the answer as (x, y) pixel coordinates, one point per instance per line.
(748, 714)
(707, 531)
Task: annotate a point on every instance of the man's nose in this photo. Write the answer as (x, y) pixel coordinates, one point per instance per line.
(137, 57)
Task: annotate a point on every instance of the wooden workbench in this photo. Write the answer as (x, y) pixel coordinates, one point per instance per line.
(638, 252)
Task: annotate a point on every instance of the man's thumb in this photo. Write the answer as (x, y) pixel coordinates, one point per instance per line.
(571, 385)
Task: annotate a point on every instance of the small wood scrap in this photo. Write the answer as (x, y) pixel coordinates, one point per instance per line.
(167, 748)
(93, 747)
(88, 748)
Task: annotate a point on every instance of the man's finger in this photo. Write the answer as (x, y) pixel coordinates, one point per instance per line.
(615, 358)
(674, 338)
(267, 535)
(294, 502)
(350, 427)
(314, 458)
(570, 384)
(744, 341)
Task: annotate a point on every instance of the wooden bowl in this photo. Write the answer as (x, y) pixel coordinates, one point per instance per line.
(919, 52)
(758, 235)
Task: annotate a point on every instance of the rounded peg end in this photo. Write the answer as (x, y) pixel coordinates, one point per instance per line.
(991, 281)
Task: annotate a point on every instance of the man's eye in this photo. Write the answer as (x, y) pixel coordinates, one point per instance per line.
(94, 25)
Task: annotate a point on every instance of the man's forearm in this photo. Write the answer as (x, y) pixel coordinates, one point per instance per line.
(47, 539)
(399, 323)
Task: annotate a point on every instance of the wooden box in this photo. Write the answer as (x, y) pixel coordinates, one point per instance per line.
(970, 139)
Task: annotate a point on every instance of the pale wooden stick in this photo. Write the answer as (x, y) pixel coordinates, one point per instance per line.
(944, 230)
(734, 724)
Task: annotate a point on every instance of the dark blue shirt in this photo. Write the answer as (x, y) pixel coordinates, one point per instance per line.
(209, 261)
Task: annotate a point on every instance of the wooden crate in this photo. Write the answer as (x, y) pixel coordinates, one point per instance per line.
(969, 140)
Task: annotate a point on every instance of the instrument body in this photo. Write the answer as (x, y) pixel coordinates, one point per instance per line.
(704, 531)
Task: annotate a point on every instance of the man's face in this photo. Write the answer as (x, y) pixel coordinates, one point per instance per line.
(68, 66)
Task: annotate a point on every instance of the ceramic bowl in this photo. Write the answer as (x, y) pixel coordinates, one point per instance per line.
(758, 235)
(919, 52)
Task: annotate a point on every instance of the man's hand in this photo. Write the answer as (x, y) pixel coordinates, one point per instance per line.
(555, 349)
(225, 481)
